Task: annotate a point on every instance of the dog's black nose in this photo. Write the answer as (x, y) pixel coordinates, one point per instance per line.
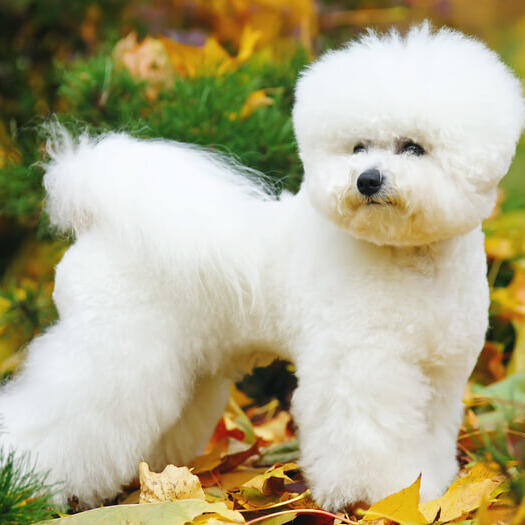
(369, 182)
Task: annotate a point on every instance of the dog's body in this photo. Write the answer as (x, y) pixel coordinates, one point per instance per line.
(185, 273)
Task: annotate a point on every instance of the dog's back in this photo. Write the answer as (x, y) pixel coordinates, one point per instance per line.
(179, 206)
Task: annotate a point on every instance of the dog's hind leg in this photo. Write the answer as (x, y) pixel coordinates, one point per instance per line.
(186, 438)
(101, 386)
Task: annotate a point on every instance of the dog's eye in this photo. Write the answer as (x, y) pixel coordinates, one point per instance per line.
(412, 148)
(358, 148)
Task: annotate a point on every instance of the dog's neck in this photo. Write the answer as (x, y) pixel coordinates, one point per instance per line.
(425, 259)
(420, 259)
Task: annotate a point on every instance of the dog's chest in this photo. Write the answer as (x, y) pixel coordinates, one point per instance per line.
(433, 300)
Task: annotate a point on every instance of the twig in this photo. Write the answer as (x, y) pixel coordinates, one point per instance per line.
(319, 512)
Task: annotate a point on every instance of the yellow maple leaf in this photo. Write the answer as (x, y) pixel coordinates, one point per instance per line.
(400, 507)
(464, 495)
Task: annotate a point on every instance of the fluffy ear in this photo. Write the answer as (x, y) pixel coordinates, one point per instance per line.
(444, 83)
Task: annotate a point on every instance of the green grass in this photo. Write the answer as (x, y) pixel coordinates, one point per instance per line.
(96, 96)
(25, 496)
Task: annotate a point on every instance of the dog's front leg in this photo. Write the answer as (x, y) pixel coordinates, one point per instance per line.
(362, 422)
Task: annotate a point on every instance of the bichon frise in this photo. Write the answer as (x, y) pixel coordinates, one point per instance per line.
(186, 271)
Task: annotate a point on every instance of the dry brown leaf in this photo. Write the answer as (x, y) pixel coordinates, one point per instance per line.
(147, 60)
(172, 484)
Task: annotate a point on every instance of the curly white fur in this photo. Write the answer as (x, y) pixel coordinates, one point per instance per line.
(185, 272)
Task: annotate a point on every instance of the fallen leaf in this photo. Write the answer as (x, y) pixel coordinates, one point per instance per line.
(146, 60)
(275, 430)
(267, 489)
(236, 418)
(231, 461)
(464, 495)
(175, 513)
(495, 515)
(235, 478)
(279, 519)
(219, 461)
(288, 452)
(210, 460)
(172, 484)
(222, 432)
(255, 100)
(403, 506)
(266, 483)
(190, 61)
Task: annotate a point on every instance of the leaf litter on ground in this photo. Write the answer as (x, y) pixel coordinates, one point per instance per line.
(227, 485)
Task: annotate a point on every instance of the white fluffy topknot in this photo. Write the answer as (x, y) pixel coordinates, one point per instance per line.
(441, 82)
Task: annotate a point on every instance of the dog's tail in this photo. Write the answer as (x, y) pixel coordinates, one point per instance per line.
(173, 201)
(116, 175)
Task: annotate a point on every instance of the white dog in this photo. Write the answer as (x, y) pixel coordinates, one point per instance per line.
(371, 279)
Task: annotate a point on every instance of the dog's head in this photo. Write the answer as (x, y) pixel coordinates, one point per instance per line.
(404, 139)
